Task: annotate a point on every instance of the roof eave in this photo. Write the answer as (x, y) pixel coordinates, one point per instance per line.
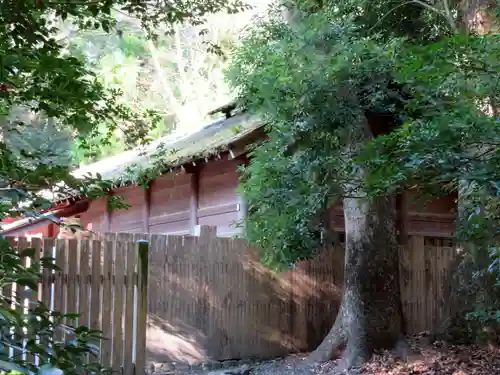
(27, 224)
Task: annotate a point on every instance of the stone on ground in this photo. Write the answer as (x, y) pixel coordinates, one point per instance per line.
(241, 370)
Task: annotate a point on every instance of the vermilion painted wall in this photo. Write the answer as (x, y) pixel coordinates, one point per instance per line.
(169, 204)
(45, 230)
(218, 202)
(206, 195)
(433, 219)
(176, 203)
(94, 218)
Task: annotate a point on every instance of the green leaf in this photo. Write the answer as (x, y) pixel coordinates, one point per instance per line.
(9, 366)
(50, 370)
(71, 316)
(48, 263)
(29, 252)
(10, 314)
(31, 283)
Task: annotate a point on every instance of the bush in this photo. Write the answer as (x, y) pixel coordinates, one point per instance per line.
(475, 302)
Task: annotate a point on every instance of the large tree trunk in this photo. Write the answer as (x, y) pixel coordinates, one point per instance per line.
(370, 315)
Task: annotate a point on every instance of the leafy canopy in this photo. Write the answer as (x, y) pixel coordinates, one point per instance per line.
(311, 82)
(314, 77)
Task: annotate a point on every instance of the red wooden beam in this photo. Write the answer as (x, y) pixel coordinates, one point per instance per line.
(146, 210)
(193, 201)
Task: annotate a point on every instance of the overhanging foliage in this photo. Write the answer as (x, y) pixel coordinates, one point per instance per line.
(314, 77)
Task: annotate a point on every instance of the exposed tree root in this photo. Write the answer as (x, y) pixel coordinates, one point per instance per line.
(353, 344)
(356, 353)
(334, 343)
(357, 350)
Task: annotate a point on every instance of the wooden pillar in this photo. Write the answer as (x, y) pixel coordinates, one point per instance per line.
(402, 217)
(52, 230)
(242, 203)
(146, 209)
(193, 202)
(242, 212)
(106, 225)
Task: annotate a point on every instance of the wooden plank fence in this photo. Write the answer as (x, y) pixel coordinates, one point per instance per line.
(101, 280)
(211, 299)
(192, 299)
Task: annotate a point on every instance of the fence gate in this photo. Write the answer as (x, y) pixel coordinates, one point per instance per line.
(104, 280)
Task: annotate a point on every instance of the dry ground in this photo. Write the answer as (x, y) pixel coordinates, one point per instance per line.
(429, 359)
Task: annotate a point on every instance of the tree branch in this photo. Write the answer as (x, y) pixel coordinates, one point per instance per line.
(449, 17)
(161, 77)
(426, 6)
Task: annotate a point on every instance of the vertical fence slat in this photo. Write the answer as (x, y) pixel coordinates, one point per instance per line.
(20, 299)
(72, 282)
(157, 269)
(107, 298)
(169, 274)
(142, 301)
(47, 273)
(83, 298)
(435, 260)
(33, 296)
(418, 263)
(37, 243)
(158, 258)
(139, 329)
(129, 309)
(59, 283)
(8, 291)
(121, 248)
(95, 286)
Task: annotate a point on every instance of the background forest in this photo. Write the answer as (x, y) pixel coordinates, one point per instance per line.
(179, 75)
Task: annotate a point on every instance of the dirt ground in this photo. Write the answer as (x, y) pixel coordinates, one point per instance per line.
(429, 359)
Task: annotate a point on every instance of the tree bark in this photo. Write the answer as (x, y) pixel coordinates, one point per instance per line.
(370, 315)
(478, 16)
